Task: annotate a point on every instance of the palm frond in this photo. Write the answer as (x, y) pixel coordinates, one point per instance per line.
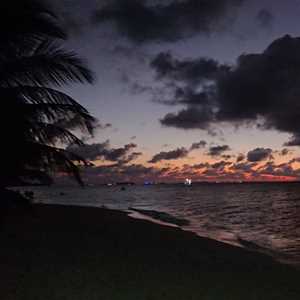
(53, 159)
(52, 134)
(55, 106)
(40, 95)
(27, 21)
(64, 161)
(47, 65)
(48, 105)
(30, 65)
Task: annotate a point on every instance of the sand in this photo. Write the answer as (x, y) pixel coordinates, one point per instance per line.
(64, 252)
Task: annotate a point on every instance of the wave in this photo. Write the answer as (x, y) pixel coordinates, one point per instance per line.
(162, 216)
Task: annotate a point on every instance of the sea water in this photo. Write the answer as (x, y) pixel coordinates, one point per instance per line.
(262, 217)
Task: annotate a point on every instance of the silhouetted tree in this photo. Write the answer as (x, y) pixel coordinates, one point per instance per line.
(36, 119)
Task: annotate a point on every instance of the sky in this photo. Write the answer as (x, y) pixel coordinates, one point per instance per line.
(206, 90)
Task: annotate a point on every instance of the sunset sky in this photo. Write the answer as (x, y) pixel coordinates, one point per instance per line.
(208, 90)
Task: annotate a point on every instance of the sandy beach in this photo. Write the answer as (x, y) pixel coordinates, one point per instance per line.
(64, 252)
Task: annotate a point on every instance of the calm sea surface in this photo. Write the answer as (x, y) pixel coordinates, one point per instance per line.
(263, 217)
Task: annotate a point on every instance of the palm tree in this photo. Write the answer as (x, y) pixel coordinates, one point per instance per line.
(35, 116)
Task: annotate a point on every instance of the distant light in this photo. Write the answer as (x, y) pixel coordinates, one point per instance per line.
(188, 181)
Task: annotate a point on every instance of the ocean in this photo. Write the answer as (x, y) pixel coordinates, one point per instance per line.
(263, 217)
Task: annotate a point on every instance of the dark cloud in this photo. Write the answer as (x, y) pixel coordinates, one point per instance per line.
(198, 145)
(243, 167)
(200, 166)
(140, 170)
(237, 95)
(294, 141)
(220, 165)
(166, 145)
(265, 18)
(259, 154)
(296, 159)
(218, 150)
(284, 152)
(120, 154)
(90, 151)
(123, 173)
(103, 126)
(226, 157)
(170, 155)
(240, 158)
(73, 14)
(191, 71)
(131, 53)
(217, 170)
(275, 98)
(251, 171)
(189, 118)
(144, 21)
(103, 151)
(281, 170)
(183, 79)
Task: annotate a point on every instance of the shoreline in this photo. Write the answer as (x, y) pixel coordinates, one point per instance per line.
(165, 219)
(106, 253)
(154, 217)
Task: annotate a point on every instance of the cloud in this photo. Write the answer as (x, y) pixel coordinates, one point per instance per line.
(240, 158)
(294, 140)
(198, 145)
(166, 145)
(203, 171)
(218, 150)
(131, 157)
(189, 118)
(103, 151)
(118, 153)
(243, 167)
(226, 156)
(220, 165)
(294, 160)
(90, 151)
(200, 166)
(177, 153)
(281, 170)
(101, 126)
(284, 152)
(265, 18)
(189, 70)
(235, 94)
(73, 15)
(187, 81)
(131, 53)
(170, 155)
(259, 154)
(123, 173)
(216, 170)
(146, 21)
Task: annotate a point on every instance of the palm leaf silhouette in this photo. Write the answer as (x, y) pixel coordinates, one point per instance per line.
(36, 117)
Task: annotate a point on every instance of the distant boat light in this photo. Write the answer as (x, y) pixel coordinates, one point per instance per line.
(188, 181)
